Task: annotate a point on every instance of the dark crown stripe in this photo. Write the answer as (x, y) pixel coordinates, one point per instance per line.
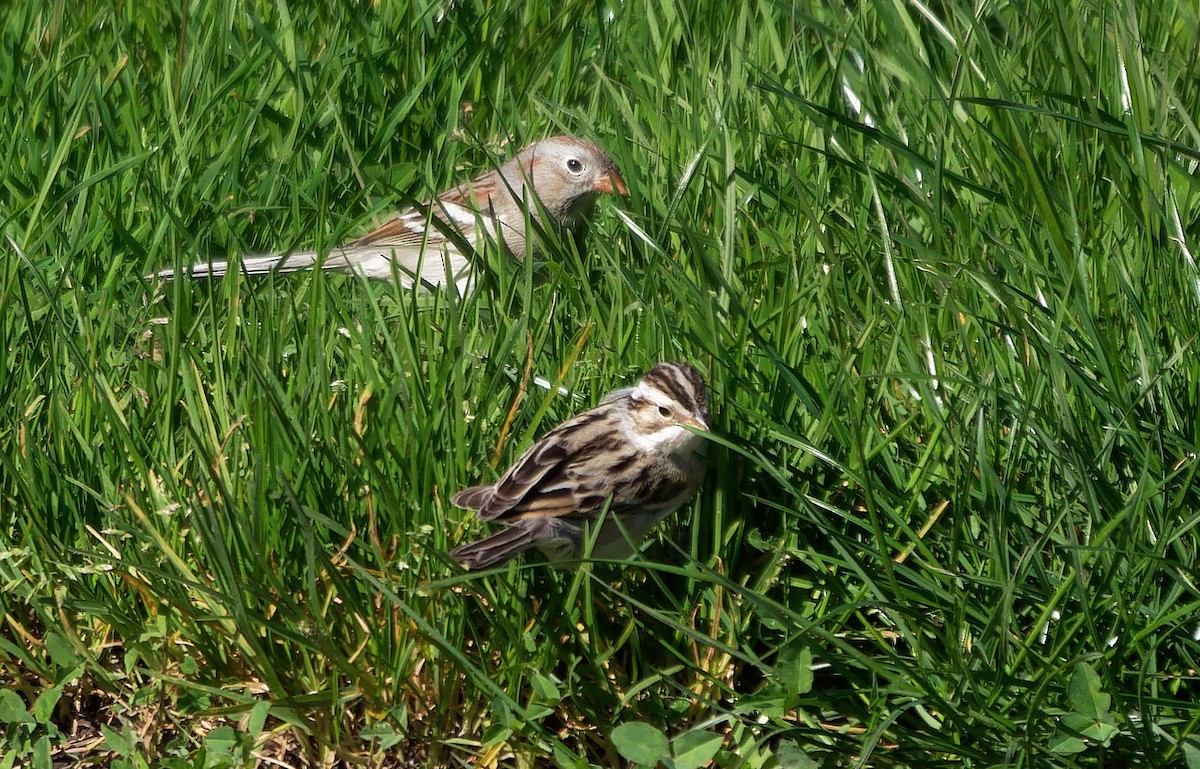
(681, 383)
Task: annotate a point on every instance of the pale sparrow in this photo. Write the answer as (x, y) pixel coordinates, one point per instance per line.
(633, 452)
(424, 246)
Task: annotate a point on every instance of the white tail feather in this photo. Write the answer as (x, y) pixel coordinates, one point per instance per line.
(251, 265)
(413, 268)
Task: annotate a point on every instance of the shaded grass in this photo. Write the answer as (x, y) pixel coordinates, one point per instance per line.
(935, 263)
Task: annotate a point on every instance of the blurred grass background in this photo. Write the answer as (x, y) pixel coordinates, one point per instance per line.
(936, 261)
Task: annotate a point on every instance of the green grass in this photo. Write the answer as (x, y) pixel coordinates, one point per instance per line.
(937, 263)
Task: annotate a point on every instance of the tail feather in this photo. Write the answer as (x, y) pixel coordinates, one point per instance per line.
(507, 543)
(557, 538)
(251, 265)
(412, 267)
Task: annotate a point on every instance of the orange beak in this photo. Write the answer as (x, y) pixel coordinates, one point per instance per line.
(611, 183)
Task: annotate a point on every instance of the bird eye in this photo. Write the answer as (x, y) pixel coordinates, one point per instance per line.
(574, 165)
(664, 411)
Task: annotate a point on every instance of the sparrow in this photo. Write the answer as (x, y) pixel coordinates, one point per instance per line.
(630, 462)
(431, 245)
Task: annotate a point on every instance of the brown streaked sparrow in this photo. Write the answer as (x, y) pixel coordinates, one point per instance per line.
(633, 452)
(423, 246)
